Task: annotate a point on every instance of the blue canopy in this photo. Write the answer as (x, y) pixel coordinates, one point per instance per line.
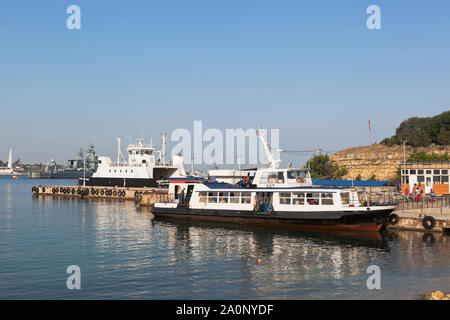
(348, 183)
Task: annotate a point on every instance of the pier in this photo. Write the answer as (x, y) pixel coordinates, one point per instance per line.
(143, 196)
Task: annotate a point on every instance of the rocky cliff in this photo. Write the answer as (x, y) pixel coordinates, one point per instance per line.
(379, 160)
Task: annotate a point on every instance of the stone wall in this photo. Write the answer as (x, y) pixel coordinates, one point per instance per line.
(380, 160)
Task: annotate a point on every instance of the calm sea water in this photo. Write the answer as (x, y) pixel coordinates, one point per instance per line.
(124, 253)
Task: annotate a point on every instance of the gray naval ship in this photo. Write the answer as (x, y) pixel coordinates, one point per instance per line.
(78, 168)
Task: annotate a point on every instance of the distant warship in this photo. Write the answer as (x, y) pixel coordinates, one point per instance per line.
(84, 166)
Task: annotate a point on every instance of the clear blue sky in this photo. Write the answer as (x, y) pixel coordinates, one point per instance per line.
(310, 68)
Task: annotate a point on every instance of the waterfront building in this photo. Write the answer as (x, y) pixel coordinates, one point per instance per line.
(426, 175)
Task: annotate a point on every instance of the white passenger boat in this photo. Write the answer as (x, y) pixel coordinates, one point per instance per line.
(273, 196)
(144, 168)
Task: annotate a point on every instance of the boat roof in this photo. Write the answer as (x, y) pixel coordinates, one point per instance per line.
(350, 183)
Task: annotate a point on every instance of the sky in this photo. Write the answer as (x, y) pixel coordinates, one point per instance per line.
(311, 69)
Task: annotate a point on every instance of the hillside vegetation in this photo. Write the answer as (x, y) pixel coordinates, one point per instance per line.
(421, 132)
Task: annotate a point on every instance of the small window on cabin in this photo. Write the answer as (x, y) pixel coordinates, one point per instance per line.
(223, 197)
(203, 197)
(298, 198)
(265, 177)
(212, 197)
(444, 179)
(144, 161)
(245, 198)
(99, 161)
(436, 171)
(327, 199)
(420, 179)
(345, 198)
(312, 198)
(280, 177)
(272, 177)
(285, 198)
(131, 170)
(428, 171)
(412, 171)
(437, 179)
(299, 176)
(114, 170)
(234, 197)
(419, 171)
(109, 170)
(130, 152)
(444, 171)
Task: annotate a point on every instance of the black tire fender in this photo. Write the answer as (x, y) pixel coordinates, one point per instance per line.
(393, 219)
(429, 222)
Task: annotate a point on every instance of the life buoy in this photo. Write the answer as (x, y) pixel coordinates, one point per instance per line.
(393, 219)
(429, 222)
(73, 190)
(246, 180)
(102, 192)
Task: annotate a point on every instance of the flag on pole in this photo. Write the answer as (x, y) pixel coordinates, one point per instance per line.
(369, 124)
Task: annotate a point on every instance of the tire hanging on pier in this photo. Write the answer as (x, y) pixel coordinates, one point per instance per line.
(429, 222)
(394, 219)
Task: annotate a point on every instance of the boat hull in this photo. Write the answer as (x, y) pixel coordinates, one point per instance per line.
(364, 221)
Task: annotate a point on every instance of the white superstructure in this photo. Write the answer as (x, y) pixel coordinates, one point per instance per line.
(145, 165)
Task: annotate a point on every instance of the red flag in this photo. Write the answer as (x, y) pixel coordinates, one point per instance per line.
(369, 124)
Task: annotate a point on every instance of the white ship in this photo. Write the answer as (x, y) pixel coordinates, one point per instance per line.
(145, 167)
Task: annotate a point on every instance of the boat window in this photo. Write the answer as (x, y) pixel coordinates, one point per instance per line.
(203, 196)
(345, 198)
(264, 177)
(436, 179)
(298, 198)
(223, 197)
(414, 172)
(427, 172)
(285, 198)
(272, 177)
(234, 197)
(436, 171)
(212, 197)
(444, 171)
(299, 176)
(312, 198)
(419, 171)
(327, 198)
(280, 178)
(444, 179)
(245, 197)
(420, 179)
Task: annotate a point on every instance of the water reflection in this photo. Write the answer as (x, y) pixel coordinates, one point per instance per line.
(125, 253)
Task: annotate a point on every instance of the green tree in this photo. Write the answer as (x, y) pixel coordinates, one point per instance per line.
(358, 177)
(372, 178)
(322, 167)
(420, 132)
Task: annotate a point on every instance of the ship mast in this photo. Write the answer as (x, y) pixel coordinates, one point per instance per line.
(163, 149)
(273, 164)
